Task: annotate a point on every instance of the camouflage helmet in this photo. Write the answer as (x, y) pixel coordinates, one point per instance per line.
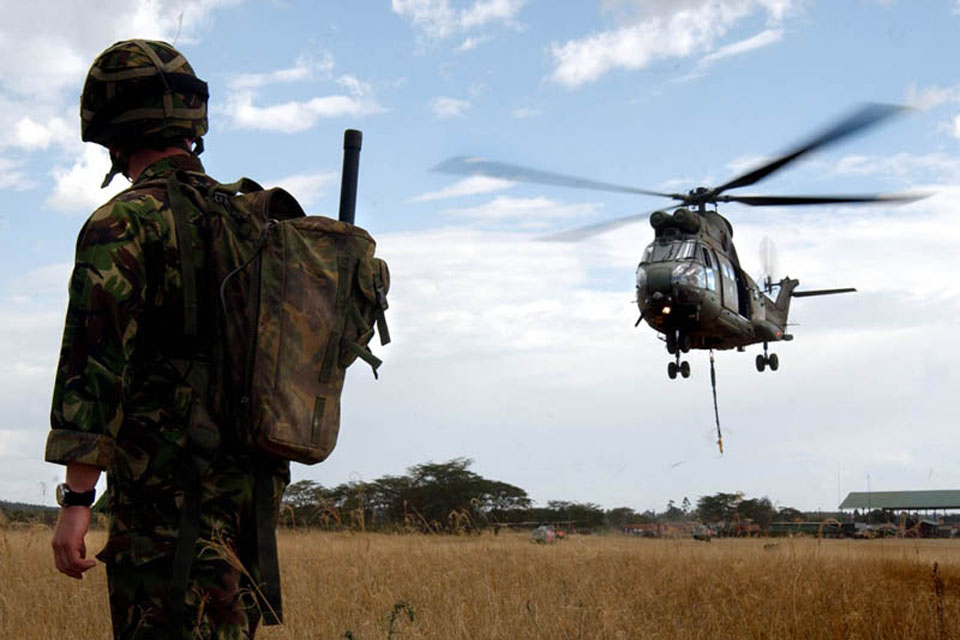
(142, 92)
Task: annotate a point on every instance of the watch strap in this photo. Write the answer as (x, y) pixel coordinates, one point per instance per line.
(67, 497)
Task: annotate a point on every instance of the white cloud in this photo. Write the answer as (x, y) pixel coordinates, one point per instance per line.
(931, 97)
(928, 168)
(444, 107)
(308, 188)
(12, 176)
(13, 442)
(30, 135)
(297, 115)
(436, 19)
(525, 212)
(47, 47)
(77, 188)
(305, 68)
(657, 31)
(526, 112)
(472, 43)
(46, 280)
(762, 39)
(484, 12)
(471, 186)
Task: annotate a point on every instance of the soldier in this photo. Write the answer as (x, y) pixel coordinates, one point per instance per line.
(191, 550)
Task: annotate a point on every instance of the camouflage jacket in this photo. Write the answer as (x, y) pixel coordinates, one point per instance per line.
(121, 400)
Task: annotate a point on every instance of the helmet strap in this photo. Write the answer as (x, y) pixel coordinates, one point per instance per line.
(118, 164)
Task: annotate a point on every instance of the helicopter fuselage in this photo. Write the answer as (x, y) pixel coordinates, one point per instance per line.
(690, 286)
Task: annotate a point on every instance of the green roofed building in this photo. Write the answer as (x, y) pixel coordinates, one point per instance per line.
(902, 500)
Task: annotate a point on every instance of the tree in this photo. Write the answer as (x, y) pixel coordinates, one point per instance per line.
(672, 512)
(302, 494)
(720, 507)
(621, 516)
(789, 514)
(757, 510)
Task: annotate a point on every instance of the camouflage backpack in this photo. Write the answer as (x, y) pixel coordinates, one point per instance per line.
(298, 297)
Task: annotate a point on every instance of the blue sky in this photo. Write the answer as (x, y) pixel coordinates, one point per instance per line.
(521, 354)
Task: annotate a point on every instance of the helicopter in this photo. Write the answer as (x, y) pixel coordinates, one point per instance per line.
(690, 285)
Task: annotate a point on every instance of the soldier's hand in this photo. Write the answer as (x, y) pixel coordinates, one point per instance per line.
(69, 550)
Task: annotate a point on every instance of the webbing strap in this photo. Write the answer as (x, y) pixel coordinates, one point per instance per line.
(382, 328)
(188, 269)
(382, 306)
(186, 544)
(265, 516)
(330, 355)
(365, 355)
(345, 266)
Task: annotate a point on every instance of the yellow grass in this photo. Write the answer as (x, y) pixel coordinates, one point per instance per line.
(501, 587)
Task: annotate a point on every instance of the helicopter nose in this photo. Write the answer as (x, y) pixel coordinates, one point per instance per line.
(658, 278)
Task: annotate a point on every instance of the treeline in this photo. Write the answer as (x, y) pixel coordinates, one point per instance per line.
(449, 497)
(20, 512)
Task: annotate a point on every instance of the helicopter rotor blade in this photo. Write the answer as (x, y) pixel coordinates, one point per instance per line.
(770, 201)
(463, 165)
(821, 292)
(866, 116)
(582, 233)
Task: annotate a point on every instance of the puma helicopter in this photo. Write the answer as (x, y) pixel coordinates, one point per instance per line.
(690, 285)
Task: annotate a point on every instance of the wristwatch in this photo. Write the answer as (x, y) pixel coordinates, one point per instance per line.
(67, 497)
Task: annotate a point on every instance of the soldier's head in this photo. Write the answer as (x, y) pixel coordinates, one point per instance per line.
(142, 94)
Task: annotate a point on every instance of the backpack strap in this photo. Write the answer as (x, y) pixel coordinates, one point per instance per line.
(265, 518)
(188, 268)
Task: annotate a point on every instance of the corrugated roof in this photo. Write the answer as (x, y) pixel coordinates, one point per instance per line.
(902, 500)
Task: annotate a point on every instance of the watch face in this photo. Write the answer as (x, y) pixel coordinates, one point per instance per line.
(61, 494)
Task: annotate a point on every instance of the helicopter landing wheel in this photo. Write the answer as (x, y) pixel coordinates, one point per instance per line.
(671, 344)
(685, 369)
(773, 361)
(761, 362)
(672, 369)
(685, 343)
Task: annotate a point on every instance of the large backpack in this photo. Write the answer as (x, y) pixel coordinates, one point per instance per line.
(297, 300)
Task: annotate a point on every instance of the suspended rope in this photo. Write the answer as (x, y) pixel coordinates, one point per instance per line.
(716, 411)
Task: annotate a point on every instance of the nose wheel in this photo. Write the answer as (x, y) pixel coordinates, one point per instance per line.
(675, 367)
(764, 360)
(678, 343)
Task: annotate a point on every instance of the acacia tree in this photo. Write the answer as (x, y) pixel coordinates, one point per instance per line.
(720, 507)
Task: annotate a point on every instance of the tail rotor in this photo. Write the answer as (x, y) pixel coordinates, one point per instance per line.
(769, 264)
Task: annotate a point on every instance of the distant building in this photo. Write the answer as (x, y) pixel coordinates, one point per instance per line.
(903, 503)
(902, 500)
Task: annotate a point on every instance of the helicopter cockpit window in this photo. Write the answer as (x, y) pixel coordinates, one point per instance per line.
(711, 275)
(658, 251)
(706, 257)
(687, 251)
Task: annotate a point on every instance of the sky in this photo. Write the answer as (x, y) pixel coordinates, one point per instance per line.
(522, 354)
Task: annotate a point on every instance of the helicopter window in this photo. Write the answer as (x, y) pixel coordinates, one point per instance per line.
(658, 251)
(711, 277)
(688, 251)
(706, 257)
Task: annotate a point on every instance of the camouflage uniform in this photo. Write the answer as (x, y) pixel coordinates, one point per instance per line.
(128, 391)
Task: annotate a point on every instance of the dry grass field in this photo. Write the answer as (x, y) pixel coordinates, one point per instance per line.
(373, 586)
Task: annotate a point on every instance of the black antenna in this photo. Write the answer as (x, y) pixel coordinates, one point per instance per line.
(352, 140)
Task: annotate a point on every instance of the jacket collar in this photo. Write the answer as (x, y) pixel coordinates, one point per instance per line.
(165, 166)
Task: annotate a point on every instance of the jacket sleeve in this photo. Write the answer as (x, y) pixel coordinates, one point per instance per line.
(107, 294)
